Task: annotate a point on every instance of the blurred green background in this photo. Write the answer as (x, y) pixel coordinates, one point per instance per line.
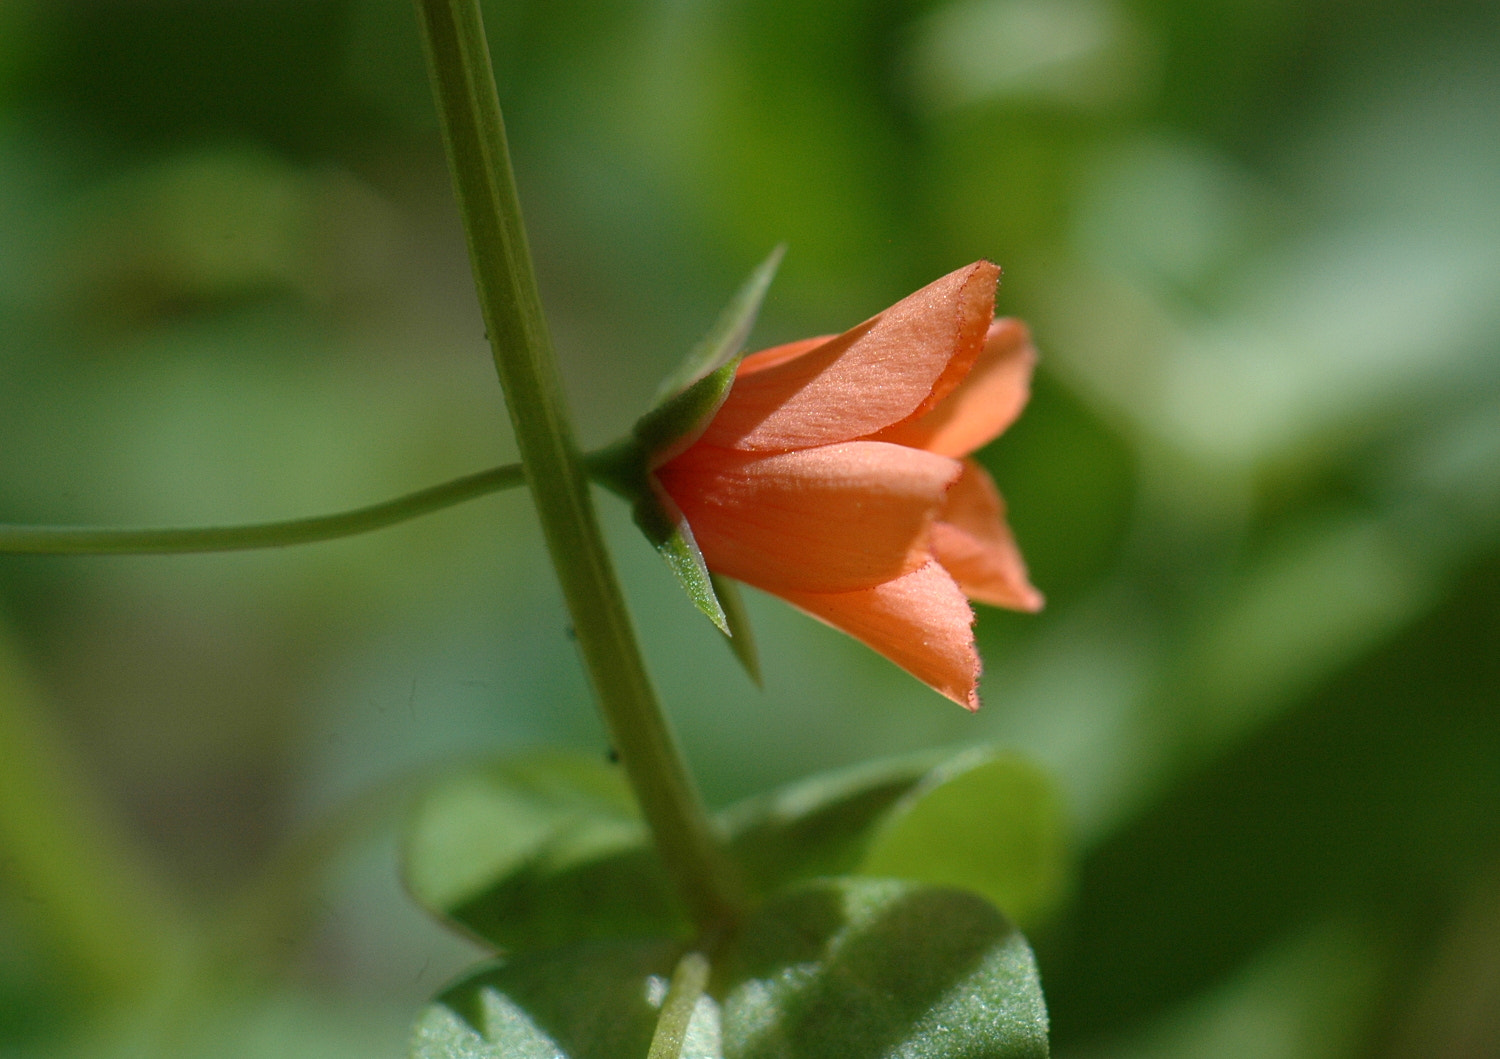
(1259, 245)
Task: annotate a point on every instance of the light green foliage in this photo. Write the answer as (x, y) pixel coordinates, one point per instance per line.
(536, 852)
(547, 871)
(490, 823)
(986, 822)
(525, 864)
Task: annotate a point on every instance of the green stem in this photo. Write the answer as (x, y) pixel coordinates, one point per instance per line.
(689, 981)
(474, 133)
(87, 540)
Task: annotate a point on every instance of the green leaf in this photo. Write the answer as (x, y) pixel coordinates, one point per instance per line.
(840, 968)
(543, 850)
(572, 892)
(984, 821)
(588, 1001)
(522, 851)
(730, 332)
(740, 636)
(865, 968)
(820, 825)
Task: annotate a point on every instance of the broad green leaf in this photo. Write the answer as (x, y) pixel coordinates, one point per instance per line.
(730, 332)
(541, 864)
(983, 821)
(597, 1000)
(575, 890)
(819, 825)
(841, 968)
(517, 820)
(524, 865)
(868, 969)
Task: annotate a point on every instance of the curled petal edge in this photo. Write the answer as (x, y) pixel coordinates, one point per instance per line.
(921, 621)
(983, 405)
(894, 366)
(975, 544)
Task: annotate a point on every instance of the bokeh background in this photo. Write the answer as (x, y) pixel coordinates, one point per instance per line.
(1259, 245)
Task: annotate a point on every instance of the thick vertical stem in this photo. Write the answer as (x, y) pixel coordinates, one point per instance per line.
(474, 132)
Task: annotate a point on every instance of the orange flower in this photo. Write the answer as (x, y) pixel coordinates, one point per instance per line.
(833, 476)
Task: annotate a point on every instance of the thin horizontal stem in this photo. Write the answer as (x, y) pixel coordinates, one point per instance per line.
(88, 540)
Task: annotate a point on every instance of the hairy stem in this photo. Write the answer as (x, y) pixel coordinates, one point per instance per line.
(474, 133)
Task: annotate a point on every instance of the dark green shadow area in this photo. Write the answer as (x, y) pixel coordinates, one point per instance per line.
(1378, 799)
(175, 70)
(542, 904)
(588, 1000)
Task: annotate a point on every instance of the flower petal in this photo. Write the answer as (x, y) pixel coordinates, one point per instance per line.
(920, 621)
(769, 358)
(975, 545)
(983, 405)
(828, 519)
(889, 368)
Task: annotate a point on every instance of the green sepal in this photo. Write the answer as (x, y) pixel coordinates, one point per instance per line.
(669, 533)
(624, 469)
(741, 637)
(727, 338)
(677, 422)
(685, 405)
(689, 397)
